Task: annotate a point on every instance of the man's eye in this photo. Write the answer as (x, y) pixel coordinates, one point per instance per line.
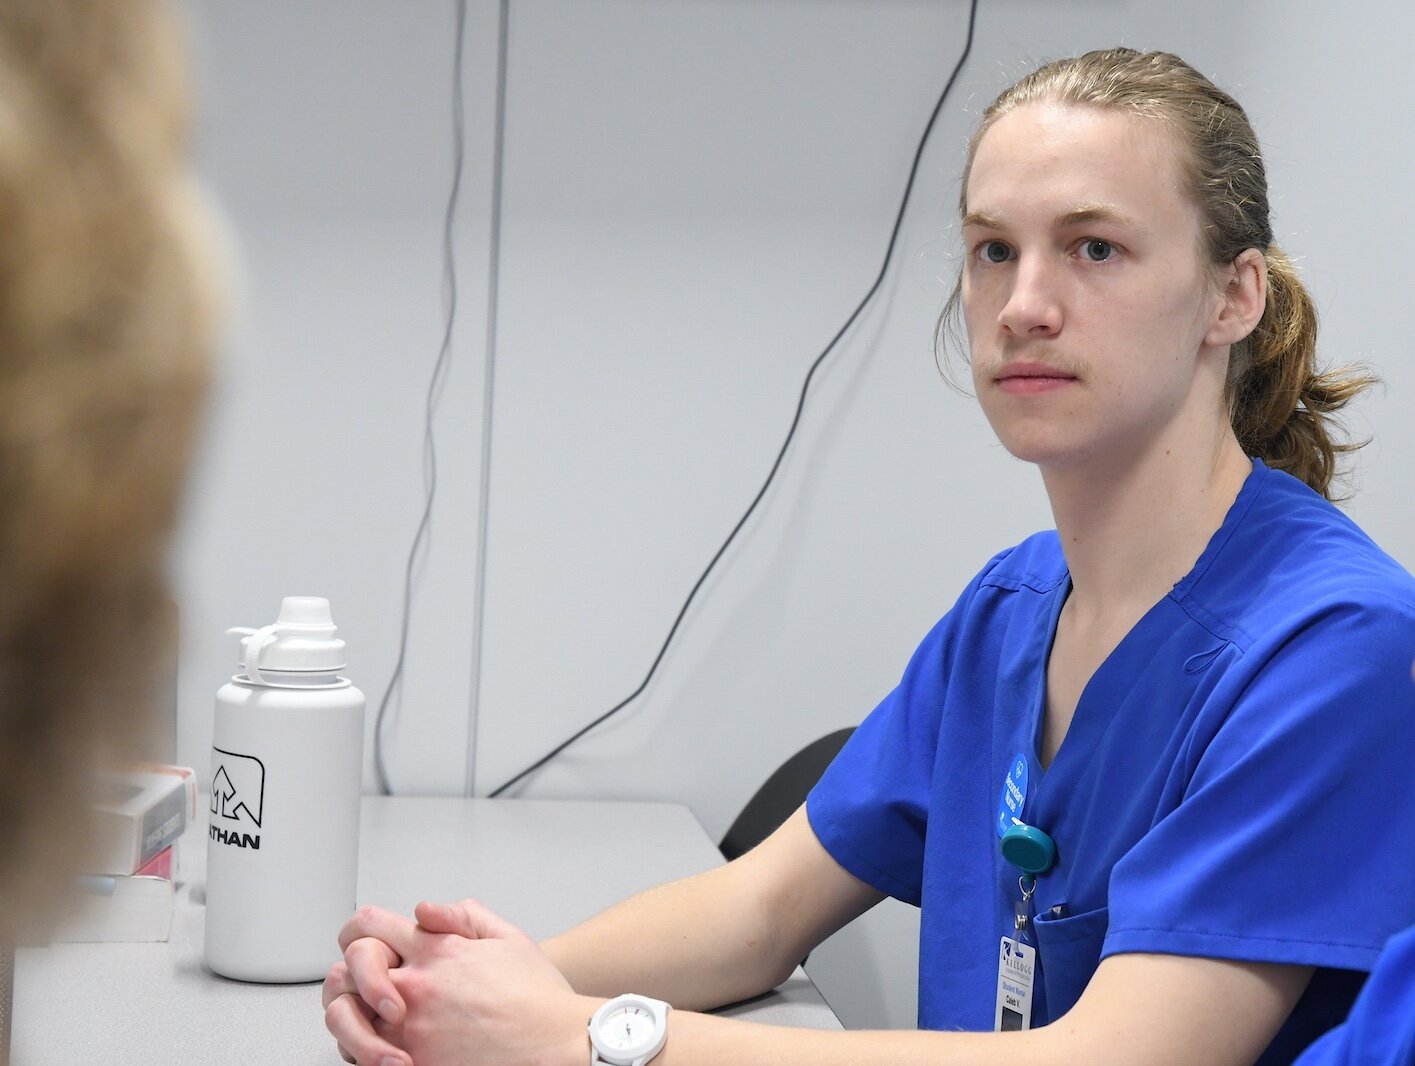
(1096, 250)
(996, 252)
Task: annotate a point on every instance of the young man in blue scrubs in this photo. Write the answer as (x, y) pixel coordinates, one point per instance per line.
(1186, 711)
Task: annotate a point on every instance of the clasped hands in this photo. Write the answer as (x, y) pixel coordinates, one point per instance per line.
(458, 985)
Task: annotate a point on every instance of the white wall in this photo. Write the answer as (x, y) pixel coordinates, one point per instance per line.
(697, 193)
(325, 133)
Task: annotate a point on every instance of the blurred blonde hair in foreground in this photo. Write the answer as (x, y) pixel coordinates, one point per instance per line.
(106, 305)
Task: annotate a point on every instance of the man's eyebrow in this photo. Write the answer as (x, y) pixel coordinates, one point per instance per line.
(1075, 217)
(1094, 213)
(977, 218)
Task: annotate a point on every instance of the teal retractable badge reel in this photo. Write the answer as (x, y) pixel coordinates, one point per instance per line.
(1032, 852)
(1029, 849)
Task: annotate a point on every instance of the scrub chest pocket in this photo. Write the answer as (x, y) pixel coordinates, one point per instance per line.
(1070, 951)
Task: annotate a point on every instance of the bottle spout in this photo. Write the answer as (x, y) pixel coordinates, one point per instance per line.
(305, 611)
(301, 642)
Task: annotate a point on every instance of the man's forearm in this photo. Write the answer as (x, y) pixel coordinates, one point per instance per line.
(705, 1040)
(697, 943)
(1213, 1011)
(722, 936)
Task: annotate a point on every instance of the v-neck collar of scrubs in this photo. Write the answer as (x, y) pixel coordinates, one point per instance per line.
(1093, 716)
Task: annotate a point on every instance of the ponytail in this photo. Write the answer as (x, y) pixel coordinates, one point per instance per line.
(1282, 408)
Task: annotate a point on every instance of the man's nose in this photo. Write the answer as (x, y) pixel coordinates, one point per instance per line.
(1033, 307)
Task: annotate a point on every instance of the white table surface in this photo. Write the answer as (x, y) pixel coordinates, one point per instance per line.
(533, 861)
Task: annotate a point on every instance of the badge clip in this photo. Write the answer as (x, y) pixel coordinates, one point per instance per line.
(1029, 849)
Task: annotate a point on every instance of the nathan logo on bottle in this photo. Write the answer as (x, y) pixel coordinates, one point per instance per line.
(237, 799)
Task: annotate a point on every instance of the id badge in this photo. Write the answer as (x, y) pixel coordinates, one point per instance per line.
(1016, 966)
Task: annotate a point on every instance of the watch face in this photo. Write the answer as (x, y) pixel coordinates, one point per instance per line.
(627, 1028)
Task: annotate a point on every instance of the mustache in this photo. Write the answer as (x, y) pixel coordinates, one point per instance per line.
(996, 366)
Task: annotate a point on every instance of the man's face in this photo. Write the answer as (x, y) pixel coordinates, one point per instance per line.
(1084, 293)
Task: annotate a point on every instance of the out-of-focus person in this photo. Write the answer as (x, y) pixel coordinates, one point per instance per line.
(106, 308)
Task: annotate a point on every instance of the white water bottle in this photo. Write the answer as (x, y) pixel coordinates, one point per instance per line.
(286, 775)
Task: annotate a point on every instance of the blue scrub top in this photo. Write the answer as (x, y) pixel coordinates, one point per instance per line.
(1232, 784)
(1381, 1029)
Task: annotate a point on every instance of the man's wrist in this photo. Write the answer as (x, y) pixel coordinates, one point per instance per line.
(582, 1051)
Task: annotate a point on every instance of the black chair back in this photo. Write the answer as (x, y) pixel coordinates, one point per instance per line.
(781, 794)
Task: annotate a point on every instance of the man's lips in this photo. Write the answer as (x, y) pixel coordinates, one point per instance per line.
(1029, 378)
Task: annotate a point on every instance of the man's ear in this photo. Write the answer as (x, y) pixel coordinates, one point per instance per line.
(1242, 299)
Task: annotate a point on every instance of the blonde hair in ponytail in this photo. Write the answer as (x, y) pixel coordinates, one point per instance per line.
(1281, 406)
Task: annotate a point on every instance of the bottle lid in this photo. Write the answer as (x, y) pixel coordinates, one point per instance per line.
(300, 641)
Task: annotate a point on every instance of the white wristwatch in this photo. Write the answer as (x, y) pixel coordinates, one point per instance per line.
(628, 1031)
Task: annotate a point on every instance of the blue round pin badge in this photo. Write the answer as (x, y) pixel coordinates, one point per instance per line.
(1014, 794)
